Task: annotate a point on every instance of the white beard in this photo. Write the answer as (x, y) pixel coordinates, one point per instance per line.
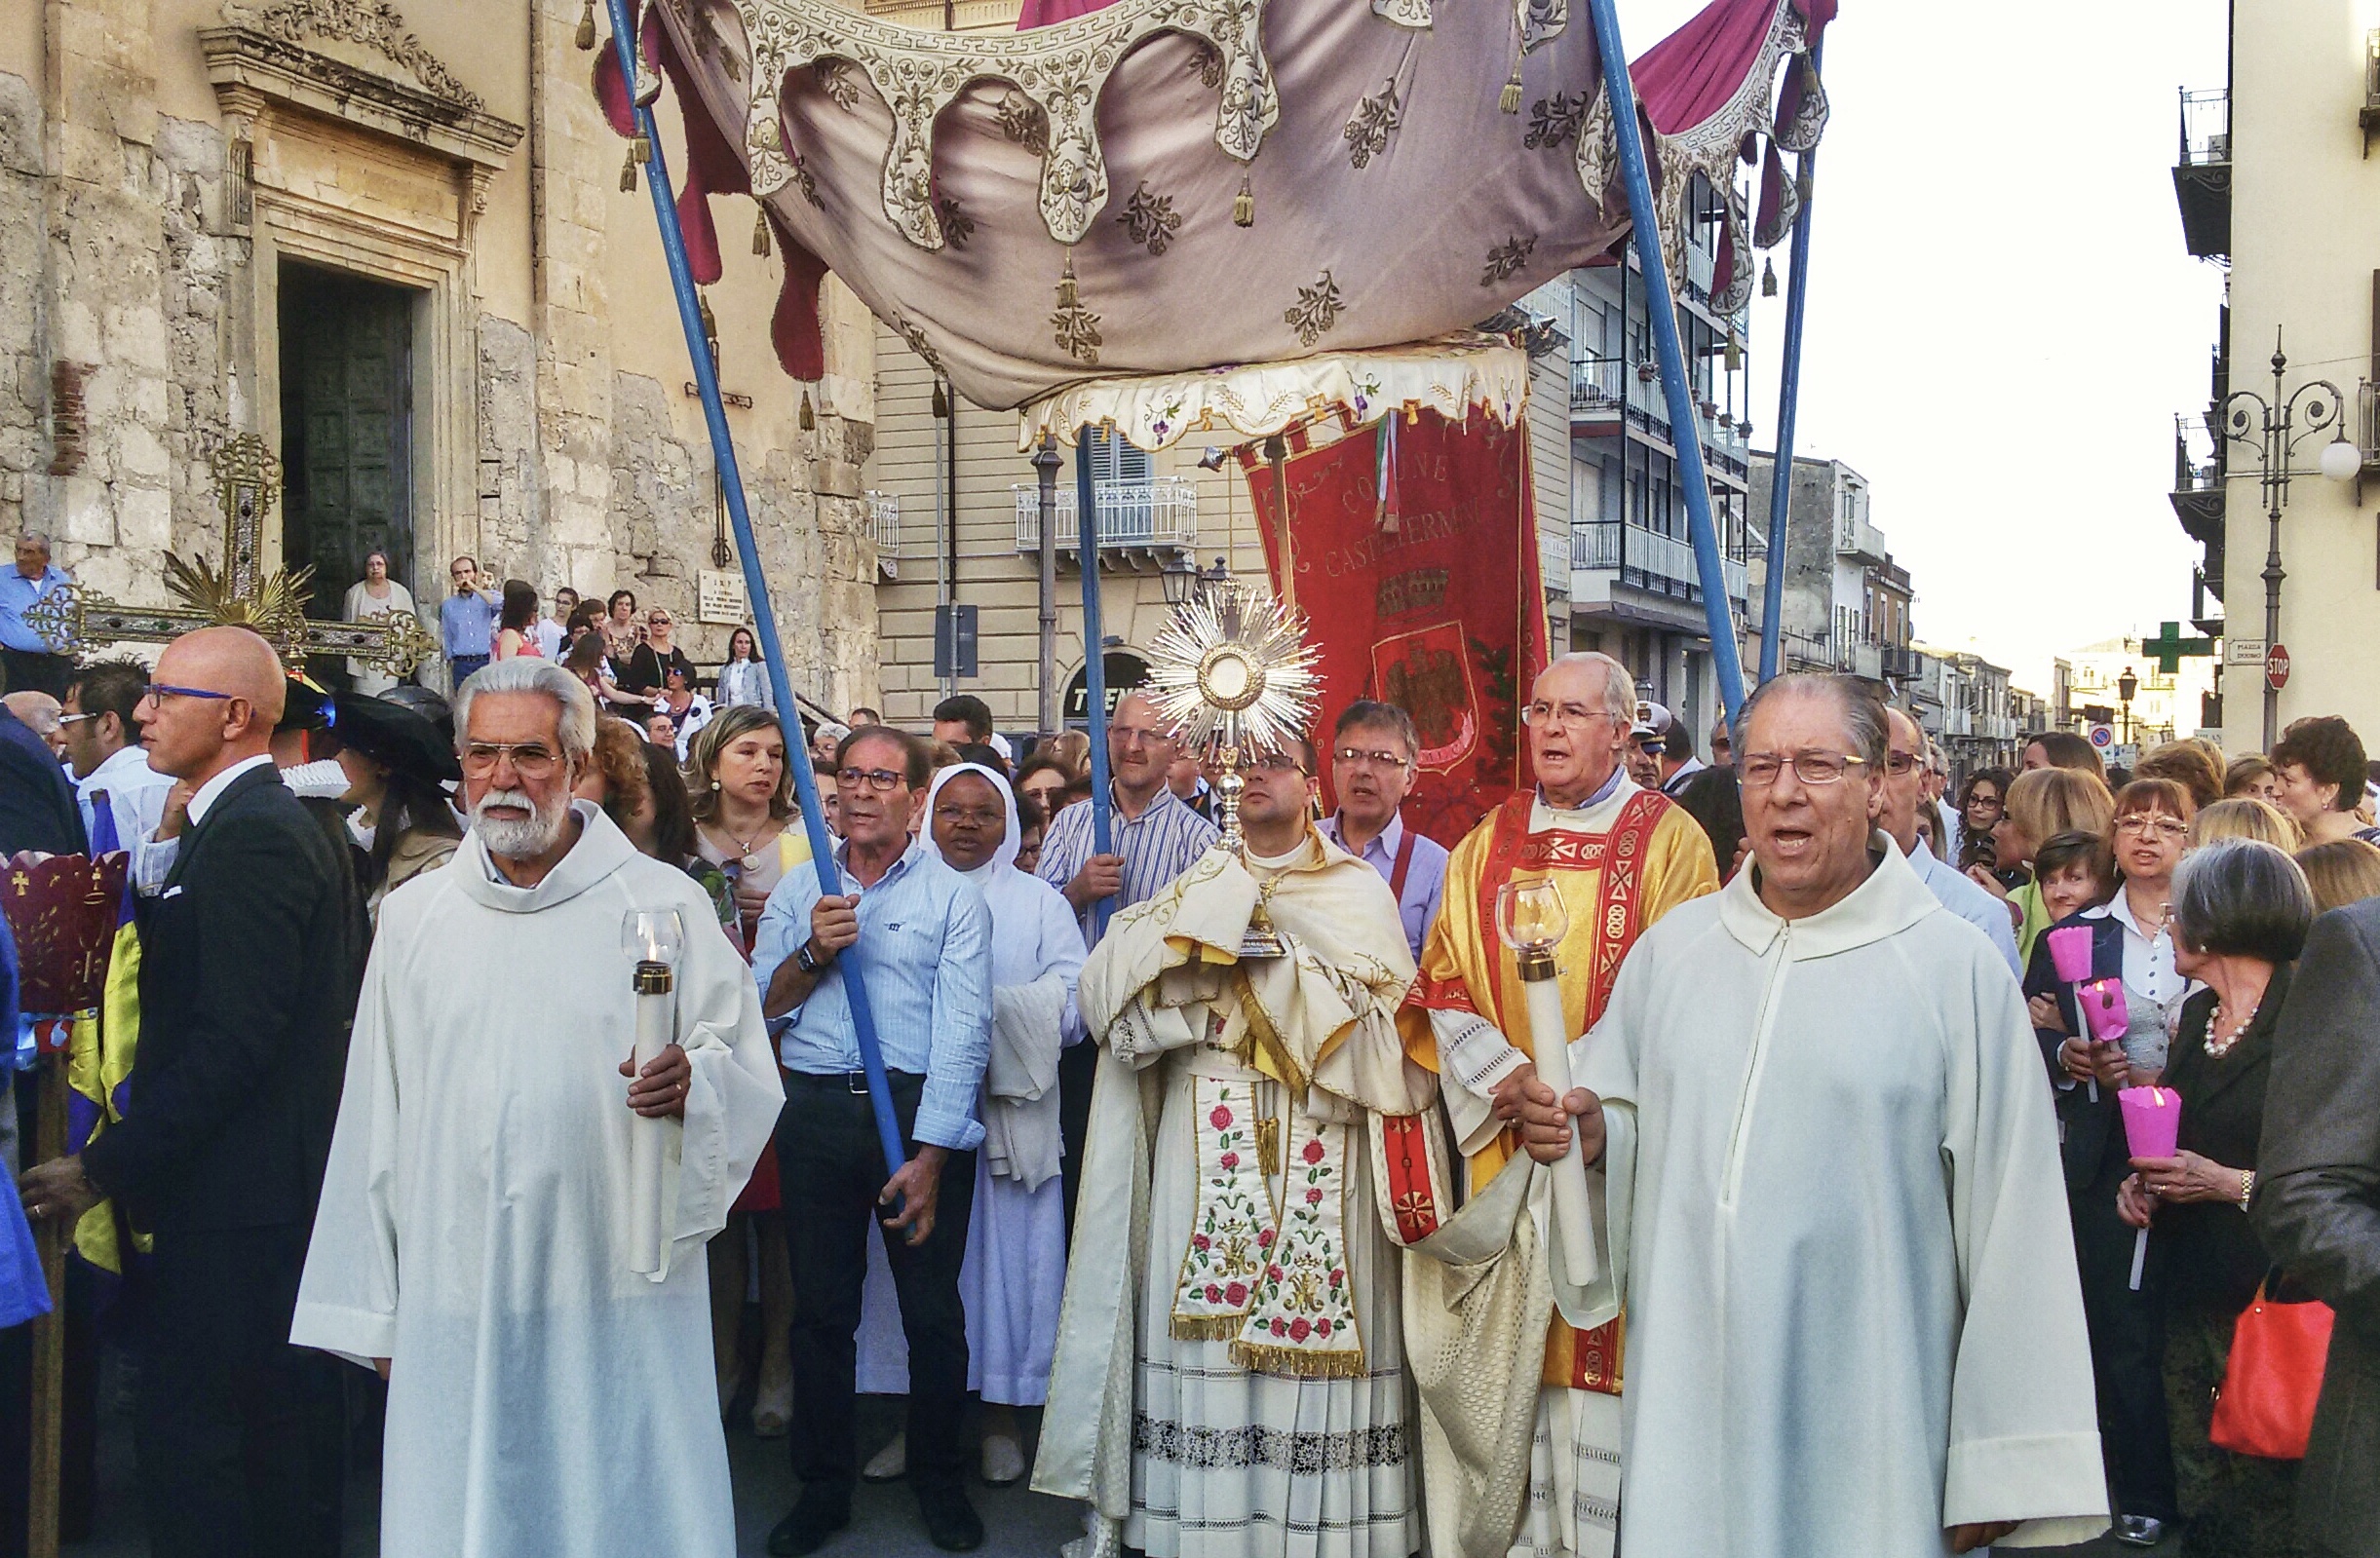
(519, 837)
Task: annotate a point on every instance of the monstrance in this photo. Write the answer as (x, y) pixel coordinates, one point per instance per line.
(1233, 674)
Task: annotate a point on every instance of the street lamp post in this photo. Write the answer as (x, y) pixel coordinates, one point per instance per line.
(2273, 428)
(1045, 466)
(2126, 686)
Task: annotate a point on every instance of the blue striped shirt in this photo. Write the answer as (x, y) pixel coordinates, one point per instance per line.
(1157, 846)
(925, 939)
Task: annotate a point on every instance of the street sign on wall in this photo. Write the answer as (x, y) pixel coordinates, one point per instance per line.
(2243, 651)
(2103, 738)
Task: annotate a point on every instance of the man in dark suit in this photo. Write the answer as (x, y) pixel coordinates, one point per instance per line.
(37, 810)
(2317, 1209)
(246, 991)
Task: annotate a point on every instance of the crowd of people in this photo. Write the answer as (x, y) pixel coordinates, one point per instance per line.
(1886, 1278)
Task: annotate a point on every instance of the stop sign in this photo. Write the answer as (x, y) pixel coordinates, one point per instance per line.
(2277, 667)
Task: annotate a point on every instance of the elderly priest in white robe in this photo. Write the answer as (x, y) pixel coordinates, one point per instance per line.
(1834, 1203)
(473, 1237)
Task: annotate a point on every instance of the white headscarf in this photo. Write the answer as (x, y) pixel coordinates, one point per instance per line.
(1004, 856)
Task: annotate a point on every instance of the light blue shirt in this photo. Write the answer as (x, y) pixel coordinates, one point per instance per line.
(1156, 847)
(1955, 891)
(468, 624)
(925, 940)
(1425, 874)
(16, 593)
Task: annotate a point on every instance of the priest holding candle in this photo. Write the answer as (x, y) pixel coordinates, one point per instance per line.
(494, 1234)
(1834, 1202)
(1537, 1473)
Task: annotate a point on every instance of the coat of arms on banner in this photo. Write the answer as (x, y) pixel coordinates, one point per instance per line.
(1426, 674)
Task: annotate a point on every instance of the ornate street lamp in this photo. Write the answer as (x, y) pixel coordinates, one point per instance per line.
(2273, 428)
(2126, 686)
(1180, 578)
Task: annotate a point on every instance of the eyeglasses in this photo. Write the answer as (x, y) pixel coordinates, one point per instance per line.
(1135, 735)
(530, 760)
(1759, 770)
(1544, 713)
(159, 691)
(1377, 758)
(75, 719)
(882, 780)
(1279, 763)
(979, 816)
(2146, 822)
(658, 621)
(1899, 763)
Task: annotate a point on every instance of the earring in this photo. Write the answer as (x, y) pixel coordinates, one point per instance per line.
(715, 784)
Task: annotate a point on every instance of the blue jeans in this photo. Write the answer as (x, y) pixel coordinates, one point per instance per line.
(461, 667)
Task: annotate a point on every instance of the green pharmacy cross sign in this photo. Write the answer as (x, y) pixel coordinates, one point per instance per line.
(2168, 647)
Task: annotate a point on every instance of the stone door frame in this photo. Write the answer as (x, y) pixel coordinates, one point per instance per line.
(436, 153)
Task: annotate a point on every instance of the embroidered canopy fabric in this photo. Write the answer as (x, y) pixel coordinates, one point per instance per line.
(1449, 376)
(1165, 185)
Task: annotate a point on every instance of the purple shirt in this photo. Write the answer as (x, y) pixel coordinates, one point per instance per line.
(1425, 875)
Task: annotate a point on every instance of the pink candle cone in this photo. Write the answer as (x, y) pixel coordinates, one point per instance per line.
(2152, 1121)
(2070, 950)
(2105, 1010)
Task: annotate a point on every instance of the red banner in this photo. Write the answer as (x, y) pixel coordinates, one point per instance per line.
(1432, 600)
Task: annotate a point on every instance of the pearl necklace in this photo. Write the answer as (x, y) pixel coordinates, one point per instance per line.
(2216, 1048)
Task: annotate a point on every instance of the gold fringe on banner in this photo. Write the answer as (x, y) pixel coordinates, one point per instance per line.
(1297, 1363)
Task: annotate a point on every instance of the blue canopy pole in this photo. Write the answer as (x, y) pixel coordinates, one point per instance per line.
(1685, 426)
(1095, 664)
(756, 584)
(1789, 408)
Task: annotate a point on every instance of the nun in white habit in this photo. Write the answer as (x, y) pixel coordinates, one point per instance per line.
(1014, 1271)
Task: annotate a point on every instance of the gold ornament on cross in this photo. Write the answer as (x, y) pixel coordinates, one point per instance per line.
(239, 593)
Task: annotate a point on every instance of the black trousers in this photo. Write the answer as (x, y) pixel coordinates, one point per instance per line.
(1078, 1070)
(241, 1436)
(830, 1167)
(29, 670)
(2127, 1348)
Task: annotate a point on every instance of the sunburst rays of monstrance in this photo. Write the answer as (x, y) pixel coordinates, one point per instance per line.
(1234, 676)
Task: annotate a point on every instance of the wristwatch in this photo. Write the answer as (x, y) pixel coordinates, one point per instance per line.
(808, 959)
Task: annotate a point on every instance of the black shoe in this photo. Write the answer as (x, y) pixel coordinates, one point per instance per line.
(951, 1522)
(2139, 1531)
(817, 1516)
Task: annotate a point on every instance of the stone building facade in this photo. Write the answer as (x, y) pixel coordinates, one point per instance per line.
(396, 245)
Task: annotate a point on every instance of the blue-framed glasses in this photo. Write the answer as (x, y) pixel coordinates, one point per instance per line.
(159, 691)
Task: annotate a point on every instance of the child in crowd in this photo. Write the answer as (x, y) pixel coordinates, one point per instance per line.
(2076, 872)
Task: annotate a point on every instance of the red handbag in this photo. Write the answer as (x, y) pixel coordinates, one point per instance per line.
(2265, 1406)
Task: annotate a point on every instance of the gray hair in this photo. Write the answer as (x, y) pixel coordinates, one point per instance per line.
(527, 673)
(33, 538)
(1862, 710)
(1366, 713)
(2242, 897)
(1619, 682)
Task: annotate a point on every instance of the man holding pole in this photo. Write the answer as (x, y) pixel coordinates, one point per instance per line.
(925, 936)
(1546, 1477)
(481, 1236)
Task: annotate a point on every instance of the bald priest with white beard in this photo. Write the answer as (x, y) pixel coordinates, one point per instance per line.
(544, 1396)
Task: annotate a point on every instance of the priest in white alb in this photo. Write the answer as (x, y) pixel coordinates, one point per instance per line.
(473, 1239)
(1833, 1198)
(1230, 1375)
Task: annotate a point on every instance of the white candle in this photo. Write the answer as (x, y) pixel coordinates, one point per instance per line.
(656, 1002)
(1548, 1038)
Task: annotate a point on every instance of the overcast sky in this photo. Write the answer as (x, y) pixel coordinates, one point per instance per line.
(2002, 319)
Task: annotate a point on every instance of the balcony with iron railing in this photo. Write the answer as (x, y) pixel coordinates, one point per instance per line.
(1596, 387)
(884, 528)
(1133, 516)
(1648, 561)
(2202, 173)
(2199, 479)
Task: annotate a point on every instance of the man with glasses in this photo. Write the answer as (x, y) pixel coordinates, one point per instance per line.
(473, 1239)
(1834, 1203)
(1905, 791)
(1371, 771)
(247, 989)
(1230, 1379)
(1156, 836)
(466, 622)
(925, 936)
(1624, 856)
(104, 754)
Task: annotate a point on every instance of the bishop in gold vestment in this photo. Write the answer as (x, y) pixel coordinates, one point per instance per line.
(1532, 1468)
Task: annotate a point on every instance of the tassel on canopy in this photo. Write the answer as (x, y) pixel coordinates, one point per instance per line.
(760, 234)
(627, 172)
(1244, 204)
(1768, 277)
(587, 36)
(809, 418)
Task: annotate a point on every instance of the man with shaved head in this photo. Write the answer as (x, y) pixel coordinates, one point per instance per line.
(247, 989)
(1622, 856)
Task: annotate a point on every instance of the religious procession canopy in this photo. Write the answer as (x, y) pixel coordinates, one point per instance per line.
(1157, 187)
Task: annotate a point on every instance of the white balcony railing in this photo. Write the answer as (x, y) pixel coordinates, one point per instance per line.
(884, 527)
(1662, 563)
(1162, 512)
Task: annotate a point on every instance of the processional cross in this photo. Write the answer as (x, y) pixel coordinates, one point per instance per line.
(247, 484)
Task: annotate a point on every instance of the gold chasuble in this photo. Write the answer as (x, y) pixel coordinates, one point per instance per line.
(1653, 857)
